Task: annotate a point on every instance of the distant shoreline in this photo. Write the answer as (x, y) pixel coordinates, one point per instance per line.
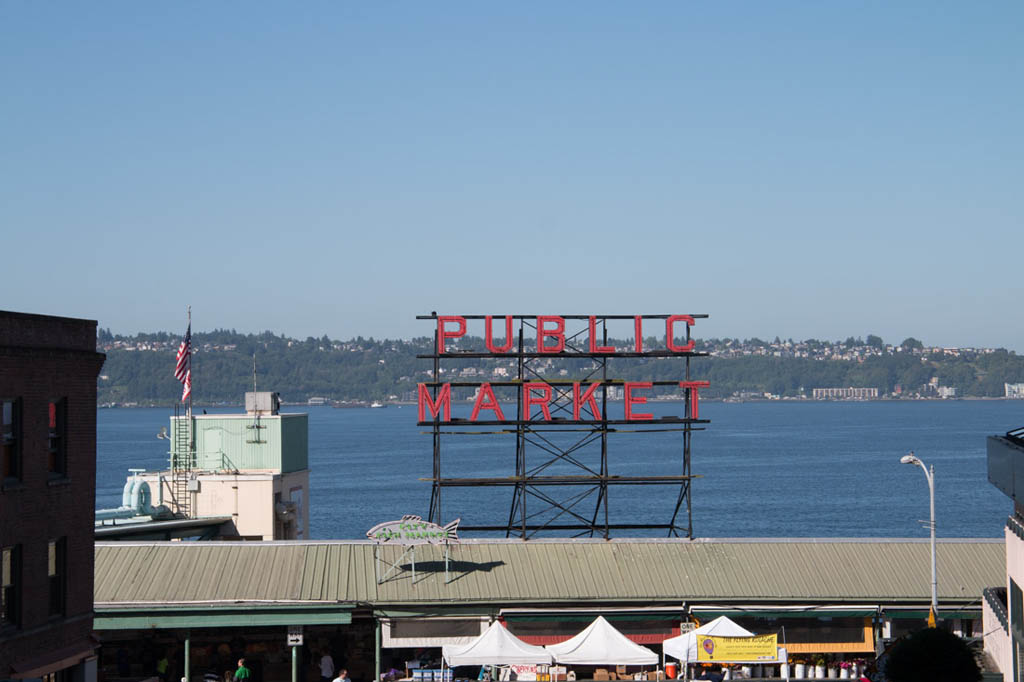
(404, 403)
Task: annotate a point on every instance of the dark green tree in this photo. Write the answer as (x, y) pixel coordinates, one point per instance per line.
(932, 655)
(910, 343)
(875, 341)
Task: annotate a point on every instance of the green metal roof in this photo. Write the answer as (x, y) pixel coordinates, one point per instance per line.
(513, 572)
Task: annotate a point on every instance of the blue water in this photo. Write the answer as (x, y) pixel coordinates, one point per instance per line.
(768, 469)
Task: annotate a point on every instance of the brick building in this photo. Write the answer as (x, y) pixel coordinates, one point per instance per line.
(48, 370)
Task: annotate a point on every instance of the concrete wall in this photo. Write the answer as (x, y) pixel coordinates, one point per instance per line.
(246, 497)
(1015, 572)
(997, 639)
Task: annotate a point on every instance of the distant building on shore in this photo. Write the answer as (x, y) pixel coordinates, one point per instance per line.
(850, 393)
(1014, 390)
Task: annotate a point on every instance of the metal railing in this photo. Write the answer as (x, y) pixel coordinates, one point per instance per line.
(1016, 436)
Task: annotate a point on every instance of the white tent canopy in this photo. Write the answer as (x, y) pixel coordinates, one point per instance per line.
(496, 646)
(684, 647)
(601, 644)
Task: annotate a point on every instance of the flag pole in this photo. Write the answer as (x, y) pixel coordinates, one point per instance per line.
(188, 408)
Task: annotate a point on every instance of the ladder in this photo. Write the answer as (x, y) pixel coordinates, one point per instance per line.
(182, 463)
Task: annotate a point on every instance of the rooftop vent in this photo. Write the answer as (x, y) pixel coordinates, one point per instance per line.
(262, 403)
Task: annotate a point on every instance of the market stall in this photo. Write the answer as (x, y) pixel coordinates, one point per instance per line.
(601, 644)
(684, 647)
(496, 646)
(687, 646)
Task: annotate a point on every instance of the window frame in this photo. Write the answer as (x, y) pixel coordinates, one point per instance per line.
(11, 442)
(57, 438)
(57, 575)
(10, 587)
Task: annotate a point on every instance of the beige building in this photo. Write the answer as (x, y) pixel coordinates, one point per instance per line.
(1004, 605)
(251, 466)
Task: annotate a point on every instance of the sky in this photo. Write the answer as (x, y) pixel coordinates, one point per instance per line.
(793, 169)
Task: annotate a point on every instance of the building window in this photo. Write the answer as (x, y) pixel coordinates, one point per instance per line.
(57, 438)
(10, 587)
(10, 435)
(1016, 626)
(57, 573)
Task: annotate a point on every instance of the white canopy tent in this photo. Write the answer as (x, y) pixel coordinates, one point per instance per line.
(599, 644)
(684, 647)
(496, 646)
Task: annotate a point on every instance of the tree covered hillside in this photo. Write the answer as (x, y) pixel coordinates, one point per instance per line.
(139, 369)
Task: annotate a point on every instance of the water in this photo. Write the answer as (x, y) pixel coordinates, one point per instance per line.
(769, 469)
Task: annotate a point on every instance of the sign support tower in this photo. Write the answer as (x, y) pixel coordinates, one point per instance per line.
(561, 479)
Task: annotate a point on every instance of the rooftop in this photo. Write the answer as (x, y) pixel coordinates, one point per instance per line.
(514, 572)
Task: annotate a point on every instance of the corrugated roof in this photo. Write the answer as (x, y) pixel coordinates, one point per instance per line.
(512, 572)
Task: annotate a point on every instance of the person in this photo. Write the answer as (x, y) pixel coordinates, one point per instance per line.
(326, 668)
(342, 676)
(243, 674)
(711, 674)
(123, 667)
(161, 667)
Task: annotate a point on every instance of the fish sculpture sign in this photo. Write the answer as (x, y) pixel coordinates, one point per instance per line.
(413, 530)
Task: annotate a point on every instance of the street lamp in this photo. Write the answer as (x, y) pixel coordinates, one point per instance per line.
(929, 474)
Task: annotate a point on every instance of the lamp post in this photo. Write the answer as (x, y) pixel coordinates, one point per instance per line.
(929, 474)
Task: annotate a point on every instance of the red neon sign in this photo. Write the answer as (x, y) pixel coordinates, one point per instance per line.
(539, 396)
(551, 337)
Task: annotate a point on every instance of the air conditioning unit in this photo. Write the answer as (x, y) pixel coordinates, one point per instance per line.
(262, 402)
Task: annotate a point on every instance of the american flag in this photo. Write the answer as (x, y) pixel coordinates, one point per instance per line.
(183, 366)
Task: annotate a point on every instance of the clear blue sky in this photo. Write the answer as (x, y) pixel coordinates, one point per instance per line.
(801, 169)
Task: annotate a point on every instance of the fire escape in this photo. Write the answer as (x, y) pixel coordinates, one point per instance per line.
(183, 458)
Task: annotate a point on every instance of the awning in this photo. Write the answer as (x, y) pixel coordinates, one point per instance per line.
(208, 616)
(800, 612)
(922, 614)
(437, 631)
(589, 617)
(53, 661)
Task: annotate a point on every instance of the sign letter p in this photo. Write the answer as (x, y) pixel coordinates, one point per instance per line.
(443, 334)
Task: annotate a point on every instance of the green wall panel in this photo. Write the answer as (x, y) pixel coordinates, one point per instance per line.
(240, 442)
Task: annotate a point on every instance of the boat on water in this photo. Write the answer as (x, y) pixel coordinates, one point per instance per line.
(376, 403)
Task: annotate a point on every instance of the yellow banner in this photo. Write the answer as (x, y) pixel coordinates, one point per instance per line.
(737, 649)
